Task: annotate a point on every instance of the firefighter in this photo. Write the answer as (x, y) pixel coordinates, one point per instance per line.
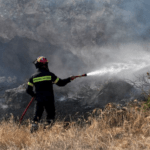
(43, 81)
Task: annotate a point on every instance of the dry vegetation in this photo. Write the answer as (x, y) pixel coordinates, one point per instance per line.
(111, 129)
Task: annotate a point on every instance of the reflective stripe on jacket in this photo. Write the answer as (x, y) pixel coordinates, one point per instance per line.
(43, 81)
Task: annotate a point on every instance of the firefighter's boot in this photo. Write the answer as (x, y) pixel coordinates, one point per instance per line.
(48, 124)
(34, 127)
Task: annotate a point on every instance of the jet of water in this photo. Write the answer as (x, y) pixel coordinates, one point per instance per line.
(119, 67)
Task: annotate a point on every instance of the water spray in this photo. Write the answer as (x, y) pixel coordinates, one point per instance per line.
(116, 68)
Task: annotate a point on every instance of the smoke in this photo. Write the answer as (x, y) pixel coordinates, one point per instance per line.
(76, 36)
(76, 22)
(130, 61)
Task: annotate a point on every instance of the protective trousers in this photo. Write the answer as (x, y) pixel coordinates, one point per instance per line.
(40, 105)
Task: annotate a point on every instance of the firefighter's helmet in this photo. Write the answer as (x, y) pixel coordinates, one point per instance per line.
(40, 62)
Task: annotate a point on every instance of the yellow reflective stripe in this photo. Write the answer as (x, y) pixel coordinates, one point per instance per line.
(29, 83)
(39, 79)
(56, 80)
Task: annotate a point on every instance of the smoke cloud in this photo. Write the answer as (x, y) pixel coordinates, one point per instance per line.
(76, 36)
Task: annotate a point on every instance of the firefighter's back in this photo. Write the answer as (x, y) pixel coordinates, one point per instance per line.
(42, 81)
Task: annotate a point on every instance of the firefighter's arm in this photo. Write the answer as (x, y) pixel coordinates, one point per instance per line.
(29, 88)
(62, 82)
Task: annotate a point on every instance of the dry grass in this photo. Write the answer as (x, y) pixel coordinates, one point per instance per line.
(111, 129)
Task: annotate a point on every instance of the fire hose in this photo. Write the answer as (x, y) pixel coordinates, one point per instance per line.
(26, 110)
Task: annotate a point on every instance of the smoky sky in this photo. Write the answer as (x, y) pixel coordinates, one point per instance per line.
(89, 33)
(76, 23)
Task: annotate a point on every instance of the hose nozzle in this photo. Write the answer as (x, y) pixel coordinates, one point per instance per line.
(83, 75)
(79, 76)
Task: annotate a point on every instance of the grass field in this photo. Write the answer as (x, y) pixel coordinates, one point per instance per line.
(111, 129)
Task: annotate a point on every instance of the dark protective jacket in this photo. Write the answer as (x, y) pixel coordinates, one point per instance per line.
(43, 81)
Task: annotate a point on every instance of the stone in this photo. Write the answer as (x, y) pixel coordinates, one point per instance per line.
(17, 99)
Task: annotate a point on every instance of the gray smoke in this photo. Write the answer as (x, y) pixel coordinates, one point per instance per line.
(76, 22)
(76, 36)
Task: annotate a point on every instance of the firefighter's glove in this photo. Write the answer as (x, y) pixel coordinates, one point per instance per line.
(148, 73)
(72, 78)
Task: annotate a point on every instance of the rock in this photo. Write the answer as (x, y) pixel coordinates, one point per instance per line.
(85, 101)
(115, 91)
(17, 99)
